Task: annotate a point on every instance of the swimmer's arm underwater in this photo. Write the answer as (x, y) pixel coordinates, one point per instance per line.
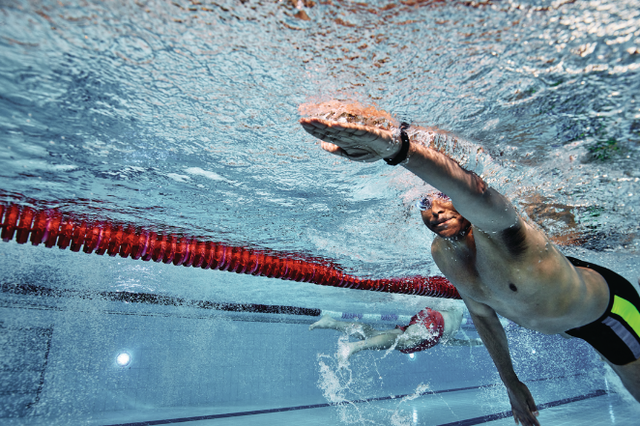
(493, 336)
(484, 207)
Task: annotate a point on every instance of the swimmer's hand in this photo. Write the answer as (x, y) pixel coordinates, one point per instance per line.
(523, 406)
(353, 141)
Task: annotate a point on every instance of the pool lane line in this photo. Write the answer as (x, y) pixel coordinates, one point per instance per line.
(284, 409)
(154, 299)
(467, 422)
(506, 414)
(22, 289)
(67, 230)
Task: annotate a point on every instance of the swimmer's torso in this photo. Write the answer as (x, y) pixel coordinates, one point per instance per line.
(537, 289)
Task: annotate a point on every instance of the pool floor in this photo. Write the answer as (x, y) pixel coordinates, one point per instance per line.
(578, 405)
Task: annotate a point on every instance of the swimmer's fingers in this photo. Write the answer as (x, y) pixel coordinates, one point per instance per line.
(526, 418)
(523, 406)
(335, 131)
(353, 137)
(332, 148)
(352, 154)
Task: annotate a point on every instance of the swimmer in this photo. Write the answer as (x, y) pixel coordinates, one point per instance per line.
(425, 330)
(500, 263)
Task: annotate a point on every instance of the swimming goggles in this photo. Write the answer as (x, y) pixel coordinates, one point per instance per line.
(426, 202)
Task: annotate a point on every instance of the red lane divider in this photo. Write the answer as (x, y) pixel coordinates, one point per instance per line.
(51, 227)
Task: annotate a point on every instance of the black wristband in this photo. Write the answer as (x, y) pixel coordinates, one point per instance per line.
(404, 149)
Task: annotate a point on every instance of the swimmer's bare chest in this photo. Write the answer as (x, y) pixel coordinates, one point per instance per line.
(529, 289)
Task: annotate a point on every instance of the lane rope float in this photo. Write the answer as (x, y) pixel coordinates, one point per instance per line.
(51, 227)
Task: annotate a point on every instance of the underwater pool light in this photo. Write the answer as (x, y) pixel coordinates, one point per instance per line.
(412, 357)
(123, 359)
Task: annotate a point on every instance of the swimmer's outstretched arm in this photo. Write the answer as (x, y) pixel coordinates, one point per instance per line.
(484, 207)
(493, 336)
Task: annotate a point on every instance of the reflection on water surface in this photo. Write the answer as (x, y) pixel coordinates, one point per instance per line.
(183, 115)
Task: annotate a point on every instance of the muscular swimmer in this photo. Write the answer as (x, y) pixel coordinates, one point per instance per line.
(500, 264)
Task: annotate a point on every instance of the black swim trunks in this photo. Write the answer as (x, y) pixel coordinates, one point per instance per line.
(616, 334)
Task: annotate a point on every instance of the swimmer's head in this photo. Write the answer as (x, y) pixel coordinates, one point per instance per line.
(427, 201)
(439, 215)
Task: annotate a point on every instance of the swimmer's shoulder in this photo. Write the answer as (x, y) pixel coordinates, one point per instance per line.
(518, 241)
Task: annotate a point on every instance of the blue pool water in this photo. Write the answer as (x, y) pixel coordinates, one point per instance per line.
(182, 116)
